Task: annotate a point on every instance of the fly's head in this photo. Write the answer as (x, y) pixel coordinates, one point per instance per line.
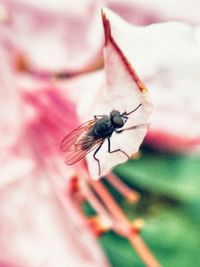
(121, 118)
(118, 119)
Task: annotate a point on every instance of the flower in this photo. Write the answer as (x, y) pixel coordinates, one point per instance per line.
(41, 195)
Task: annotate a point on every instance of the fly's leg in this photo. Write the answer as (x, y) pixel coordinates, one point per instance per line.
(116, 150)
(94, 156)
(133, 127)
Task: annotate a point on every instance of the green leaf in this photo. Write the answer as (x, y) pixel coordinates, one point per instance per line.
(174, 237)
(175, 176)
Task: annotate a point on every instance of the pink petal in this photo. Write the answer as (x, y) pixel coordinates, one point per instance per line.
(143, 12)
(134, 12)
(10, 113)
(39, 225)
(87, 86)
(165, 141)
(51, 40)
(49, 115)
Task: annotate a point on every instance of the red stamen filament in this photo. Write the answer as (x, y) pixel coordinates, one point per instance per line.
(127, 229)
(131, 195)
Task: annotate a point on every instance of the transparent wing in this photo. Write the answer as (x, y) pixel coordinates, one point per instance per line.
(77, 144)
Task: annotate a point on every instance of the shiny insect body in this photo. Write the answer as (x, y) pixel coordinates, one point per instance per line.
(91, 135)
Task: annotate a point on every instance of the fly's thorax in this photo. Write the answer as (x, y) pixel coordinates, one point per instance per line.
(103, 128)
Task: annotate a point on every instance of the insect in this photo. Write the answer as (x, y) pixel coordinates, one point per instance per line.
(91, 135)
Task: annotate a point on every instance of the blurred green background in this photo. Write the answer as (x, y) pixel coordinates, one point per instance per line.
(170, 205)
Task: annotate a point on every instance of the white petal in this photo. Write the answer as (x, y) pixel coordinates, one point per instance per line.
(122, 90)
(167, 56)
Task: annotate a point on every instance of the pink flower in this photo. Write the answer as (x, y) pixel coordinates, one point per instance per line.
(41, 218)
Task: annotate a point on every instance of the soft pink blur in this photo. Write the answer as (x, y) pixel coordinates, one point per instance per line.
(39, 223)
(145, 12)
(53, 40)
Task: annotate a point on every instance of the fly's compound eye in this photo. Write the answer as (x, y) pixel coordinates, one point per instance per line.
(118, 121)
(114, 113)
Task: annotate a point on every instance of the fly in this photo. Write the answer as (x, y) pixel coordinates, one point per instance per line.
(91, 135)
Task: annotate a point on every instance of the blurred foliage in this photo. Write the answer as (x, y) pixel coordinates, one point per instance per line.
(170, 205)
(175, 176)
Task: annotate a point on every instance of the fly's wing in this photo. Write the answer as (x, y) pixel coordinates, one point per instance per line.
(78, 143)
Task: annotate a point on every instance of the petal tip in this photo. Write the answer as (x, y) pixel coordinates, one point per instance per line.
(106, 25)
(143, 90)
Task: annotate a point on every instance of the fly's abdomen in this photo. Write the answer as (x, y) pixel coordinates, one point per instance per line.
(87, 142)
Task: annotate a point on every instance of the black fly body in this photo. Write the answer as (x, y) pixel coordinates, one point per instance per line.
(92, 134)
